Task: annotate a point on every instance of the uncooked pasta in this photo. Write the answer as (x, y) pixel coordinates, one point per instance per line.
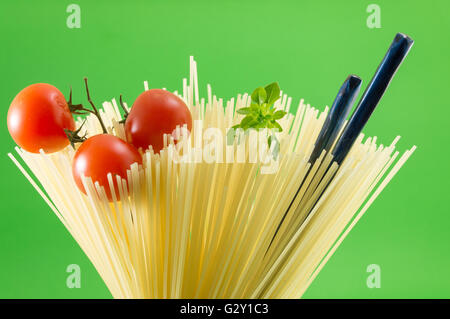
(196, 227)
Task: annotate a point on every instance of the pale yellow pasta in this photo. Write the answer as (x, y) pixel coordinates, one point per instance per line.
(206, 230)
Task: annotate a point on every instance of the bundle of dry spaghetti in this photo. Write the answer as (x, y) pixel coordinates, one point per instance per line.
(220, 229)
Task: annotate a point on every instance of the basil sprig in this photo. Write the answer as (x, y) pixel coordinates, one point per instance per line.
(261, 112)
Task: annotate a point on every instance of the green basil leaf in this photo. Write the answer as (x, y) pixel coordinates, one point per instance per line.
(254, 107)
(265, 108)
(259, 95)
(246, 121)
(231, 135)
(279, 114)
(278, 126)
(272, 93)
(244, 110)
(270, 139)
(276, 148)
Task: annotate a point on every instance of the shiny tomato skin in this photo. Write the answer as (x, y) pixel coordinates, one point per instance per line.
(37, 118)
(154, 113)
(102, 154)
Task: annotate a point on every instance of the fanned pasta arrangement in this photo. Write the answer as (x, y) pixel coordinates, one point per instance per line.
(243, 198)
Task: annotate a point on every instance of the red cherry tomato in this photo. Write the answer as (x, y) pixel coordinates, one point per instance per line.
(37, 118)
(100, 155)
(154, 113)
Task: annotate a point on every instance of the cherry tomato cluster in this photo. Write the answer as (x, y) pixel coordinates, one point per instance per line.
(40, 118)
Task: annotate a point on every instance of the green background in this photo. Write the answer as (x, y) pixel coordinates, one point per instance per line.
(309, 47)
